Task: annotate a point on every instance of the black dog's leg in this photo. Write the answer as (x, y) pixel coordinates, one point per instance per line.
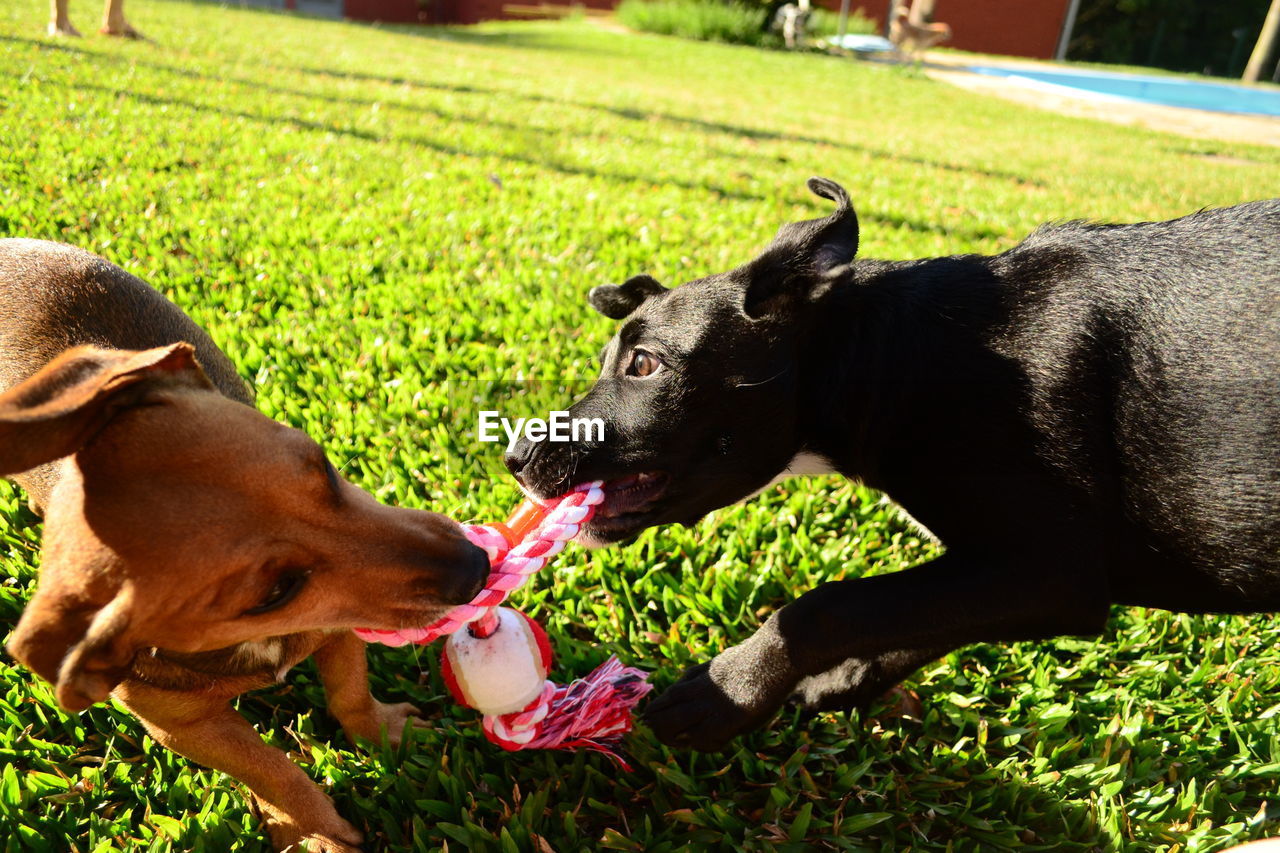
(857, 682)
(952, 601)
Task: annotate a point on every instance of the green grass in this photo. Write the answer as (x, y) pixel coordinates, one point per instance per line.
(360, 215)
(729, 22)
(706, 20)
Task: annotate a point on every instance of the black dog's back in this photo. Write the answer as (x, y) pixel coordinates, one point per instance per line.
(1152, 356)
(1091, 418)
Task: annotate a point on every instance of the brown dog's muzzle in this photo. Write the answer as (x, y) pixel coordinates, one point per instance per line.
(459, 577)
(445, 567)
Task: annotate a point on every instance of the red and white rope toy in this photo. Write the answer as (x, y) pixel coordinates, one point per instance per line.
(499, 663)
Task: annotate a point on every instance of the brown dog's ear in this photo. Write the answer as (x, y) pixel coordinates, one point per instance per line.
(617, 301)
(55, 412)
(78, 647)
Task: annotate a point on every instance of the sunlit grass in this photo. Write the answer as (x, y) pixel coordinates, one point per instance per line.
(363, 216)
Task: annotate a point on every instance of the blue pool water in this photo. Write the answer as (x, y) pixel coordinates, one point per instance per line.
(1169, 91)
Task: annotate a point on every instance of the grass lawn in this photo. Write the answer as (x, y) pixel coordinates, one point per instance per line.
(366, 218)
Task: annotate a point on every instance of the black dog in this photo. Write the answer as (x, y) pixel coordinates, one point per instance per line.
(1111, 391)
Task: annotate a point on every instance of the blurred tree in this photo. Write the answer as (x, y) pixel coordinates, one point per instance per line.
(1266, 46)
(1204, 36)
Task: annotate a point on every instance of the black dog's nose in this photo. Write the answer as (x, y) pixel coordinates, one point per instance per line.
(518, 458)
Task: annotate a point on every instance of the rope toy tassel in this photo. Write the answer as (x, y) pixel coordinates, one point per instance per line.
(589, 713)
(496, 659)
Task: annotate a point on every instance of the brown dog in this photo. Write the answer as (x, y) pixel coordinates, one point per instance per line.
(195, 549)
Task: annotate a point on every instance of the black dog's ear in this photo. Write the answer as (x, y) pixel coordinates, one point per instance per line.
(830, 190)
(804, 260)
(837, 238)
(616, 301)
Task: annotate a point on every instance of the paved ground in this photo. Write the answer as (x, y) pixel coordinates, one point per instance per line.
(1259, 130)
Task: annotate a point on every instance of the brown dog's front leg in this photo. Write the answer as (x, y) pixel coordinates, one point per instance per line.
(345, 675)
(210, 732)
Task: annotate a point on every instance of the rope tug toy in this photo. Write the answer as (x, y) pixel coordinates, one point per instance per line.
(499, 664)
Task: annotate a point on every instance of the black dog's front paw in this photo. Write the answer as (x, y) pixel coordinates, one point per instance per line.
(857, 683)
(695, 713)
(853, 685)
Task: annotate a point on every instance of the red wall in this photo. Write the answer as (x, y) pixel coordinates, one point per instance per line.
(1010, 27)
(474, 11)
(392, 11)
(450, 11)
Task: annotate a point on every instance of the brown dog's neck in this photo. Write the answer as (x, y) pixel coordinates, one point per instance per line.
(261, 662)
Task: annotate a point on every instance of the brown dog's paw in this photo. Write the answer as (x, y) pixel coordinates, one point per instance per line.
(393, 717)
(338, 837)
(389, 717)
(313, 843)
(311, 825)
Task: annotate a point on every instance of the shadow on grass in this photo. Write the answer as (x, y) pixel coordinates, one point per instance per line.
(368, 103)
(626, 113)
(440, 147)
(749, 797)
(520, 39)
(632, 114)
(417, 140)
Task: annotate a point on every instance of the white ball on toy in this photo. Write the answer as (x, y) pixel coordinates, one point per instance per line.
(501, 673)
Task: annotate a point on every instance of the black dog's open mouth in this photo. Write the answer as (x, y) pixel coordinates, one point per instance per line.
(631, 496)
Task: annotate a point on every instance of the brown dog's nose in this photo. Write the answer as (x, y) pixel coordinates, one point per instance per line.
(468, 578)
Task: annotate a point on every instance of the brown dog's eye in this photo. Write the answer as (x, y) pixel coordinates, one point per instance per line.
(331, 474)
(286, 588)
(643, 363)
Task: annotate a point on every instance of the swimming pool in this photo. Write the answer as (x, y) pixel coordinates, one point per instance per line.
(1168, 91)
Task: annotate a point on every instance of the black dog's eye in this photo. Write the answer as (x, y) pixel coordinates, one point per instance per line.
(643, 363)
(286, 588)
